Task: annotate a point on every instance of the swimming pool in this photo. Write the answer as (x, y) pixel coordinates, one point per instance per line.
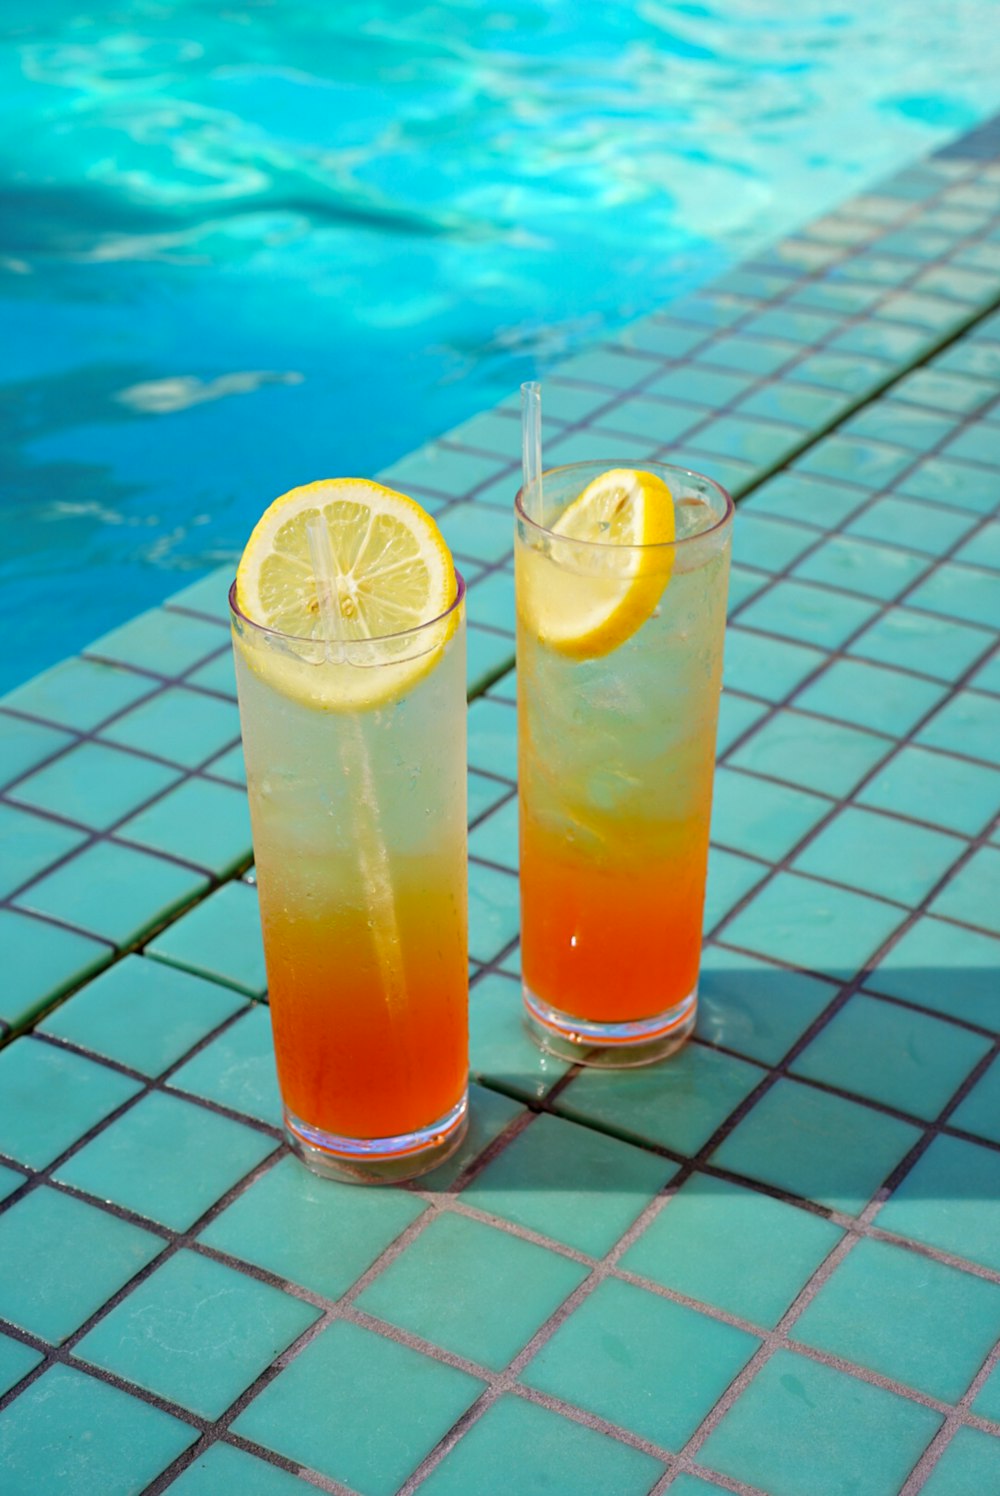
(244, 247)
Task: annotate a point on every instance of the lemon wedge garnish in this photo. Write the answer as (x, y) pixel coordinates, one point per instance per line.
(393, 572)
(592, 599)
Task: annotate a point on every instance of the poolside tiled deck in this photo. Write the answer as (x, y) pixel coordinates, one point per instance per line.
(771, 1265)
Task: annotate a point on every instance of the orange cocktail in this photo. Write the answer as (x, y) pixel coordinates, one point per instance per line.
(619, 674)
(355, 751)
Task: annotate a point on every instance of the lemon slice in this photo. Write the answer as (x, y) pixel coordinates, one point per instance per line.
(393, 573)
(593, 599)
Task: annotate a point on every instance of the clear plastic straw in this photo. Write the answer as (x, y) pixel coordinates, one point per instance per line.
(531, 448)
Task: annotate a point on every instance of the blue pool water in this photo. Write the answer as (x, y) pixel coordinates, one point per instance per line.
(244, 245)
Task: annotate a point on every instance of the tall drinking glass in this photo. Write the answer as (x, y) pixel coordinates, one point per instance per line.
(357, 782)
(616, 758)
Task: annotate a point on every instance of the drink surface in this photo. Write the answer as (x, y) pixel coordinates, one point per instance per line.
(359, 837)
(615, 766)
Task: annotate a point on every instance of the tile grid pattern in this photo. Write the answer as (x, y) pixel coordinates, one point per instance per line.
(555, 1101)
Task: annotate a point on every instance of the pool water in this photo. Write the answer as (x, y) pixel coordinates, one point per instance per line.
(246, 246)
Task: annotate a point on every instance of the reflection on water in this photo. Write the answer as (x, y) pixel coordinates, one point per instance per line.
(367, 221)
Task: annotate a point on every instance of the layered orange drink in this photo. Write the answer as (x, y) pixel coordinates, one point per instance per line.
(621, 592)
(349, 634)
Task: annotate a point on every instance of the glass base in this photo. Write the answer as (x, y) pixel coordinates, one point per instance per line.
(378, 1160)
(610, 1046)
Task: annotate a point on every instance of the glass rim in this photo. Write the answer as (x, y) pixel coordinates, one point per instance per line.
(418, 628)
(728, 509)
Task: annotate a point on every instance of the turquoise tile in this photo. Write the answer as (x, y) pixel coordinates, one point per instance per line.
(236, 1070)
(113, 892)
(647, 420)
(820, 502)
(732, 474)
(442, 470)
(838, 1434)
(222, 1468)
(41, 962)
(603, 366)
(10, 1180)
(519, 1446)
(569, 1183)
(788, 322)
(753, 285)
(208, 596)
(945, 480)
(950, 1199)
(987, 1400)
(872, 464)
(983, 549)
(928, 786)
(886, 1053)
(24, 745)
(909, 1318)
(987, 678)
(747, 355)
(768, 544)
(641, 1361)
(980, 1111)
(705, 387)
(814, 615)
(142, 1014)
(229, 766)
(490, 1114)
(753, 1007)
(908, 426)
(491, 601)
(487, 656)
(484, 795)
(493, 738)
(969, 593)
(817, 755)
(770, 668)
(968, 724)
(971, 1463)
(969, 357)
(816, 1145)
(947, 969)
(472, 1290)
(854, 376)
(32, 1130)
(975, 443)
(568, 402)
(167, 1160)
(478, 531)
(874, 338)
(491, 431)
(657, 335)
(120, 1444)
(500, 1051)
(163, 642)
(920, 527)
(677, 1106)
(730, 877)
(869, 696)
(737, 714)
(95, 785)
(186, 727)
(936, 389)
(79, 694)
(877, 571)
(915, 641)
(973, 894)
(196, 1333)
(880, 855)
(207, 824)
(761, 818)
(835, 295)
(218, 675)
(812, 925)
(313, 1232)
(31, 843)
(219, 939)
(744, 584)
(494, 911)
(495, 838)
(61, 1260)
(595, 444)
(393, 1406)
(733, 1248)
(763, 443)
(16, 1360)
(709, 309)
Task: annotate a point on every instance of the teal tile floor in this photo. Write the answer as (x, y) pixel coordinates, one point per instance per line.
(768, 1267)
